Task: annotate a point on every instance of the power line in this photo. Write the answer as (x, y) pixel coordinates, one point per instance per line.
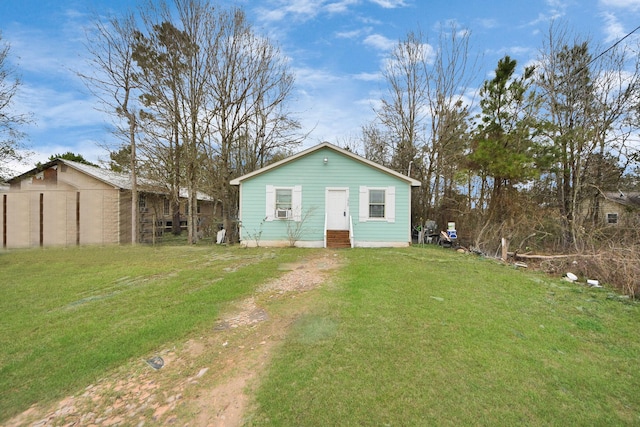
(612, 46)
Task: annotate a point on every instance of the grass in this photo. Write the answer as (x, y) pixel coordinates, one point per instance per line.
(415, 336)
(70, 315)
(422, 336)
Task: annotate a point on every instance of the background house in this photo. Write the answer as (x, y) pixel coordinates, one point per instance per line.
(619, 207)
(69, 203)
(325, 197)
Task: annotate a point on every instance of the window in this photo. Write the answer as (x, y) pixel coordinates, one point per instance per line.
(166, 209)
(142, 202)
(284, 203)
(376, 203)
(612, 218)
(283, 198)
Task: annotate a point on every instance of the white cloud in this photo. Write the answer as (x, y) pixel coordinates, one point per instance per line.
(520, 51)
(313, 78)
(488, 23)
(368, 77)
(622, 4)
(301, 10)
(390, 4)
(613, 29)
(552, 15)
(354, 34)
(340, 6)
(380, 42)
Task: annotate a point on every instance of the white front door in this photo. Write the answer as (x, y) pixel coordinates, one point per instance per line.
(337, 208)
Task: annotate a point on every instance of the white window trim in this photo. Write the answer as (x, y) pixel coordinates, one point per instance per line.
(296, 203)
(612, 213)
(389, 204)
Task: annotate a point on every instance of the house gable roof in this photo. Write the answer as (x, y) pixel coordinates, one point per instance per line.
(627, 199)
(117, 180)
(411, 181)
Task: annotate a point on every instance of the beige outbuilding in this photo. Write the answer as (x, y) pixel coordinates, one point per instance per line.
(66, 203)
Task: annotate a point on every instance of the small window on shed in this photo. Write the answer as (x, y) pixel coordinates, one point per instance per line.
(612, 218)
(166, 208)
(142, 202)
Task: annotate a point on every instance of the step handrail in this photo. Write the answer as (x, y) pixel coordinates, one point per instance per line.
(351, 239)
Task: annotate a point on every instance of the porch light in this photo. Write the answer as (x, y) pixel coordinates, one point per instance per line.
(325, 160)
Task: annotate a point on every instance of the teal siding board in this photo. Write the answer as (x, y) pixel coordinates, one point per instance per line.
(314, 175)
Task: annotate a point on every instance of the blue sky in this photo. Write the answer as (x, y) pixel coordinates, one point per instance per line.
(336, 49)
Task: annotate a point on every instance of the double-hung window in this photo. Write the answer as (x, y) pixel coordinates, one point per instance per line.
(377, 204)
(284, 203)
(284, 198)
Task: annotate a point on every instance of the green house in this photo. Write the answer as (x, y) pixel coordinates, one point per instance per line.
(325, 197)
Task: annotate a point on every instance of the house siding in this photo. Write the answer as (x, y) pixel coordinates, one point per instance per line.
(314, 176)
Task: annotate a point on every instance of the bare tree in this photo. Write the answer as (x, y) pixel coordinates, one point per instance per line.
(402, 111)
(251, 84)
(376, 147)
(160, 51)
(110, 54)
(211, 97)
(10, 121)
(422, 119)
(448, 104)
(198, 19)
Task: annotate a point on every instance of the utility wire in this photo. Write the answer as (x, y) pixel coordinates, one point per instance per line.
(612, 46)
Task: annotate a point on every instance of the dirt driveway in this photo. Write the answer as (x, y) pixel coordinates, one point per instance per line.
(206, 381)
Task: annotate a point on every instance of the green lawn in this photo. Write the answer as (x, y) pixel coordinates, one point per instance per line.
(415, 336)
(69, 315)
(424, 336)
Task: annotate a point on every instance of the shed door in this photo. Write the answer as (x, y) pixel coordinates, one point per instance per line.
(337, 206)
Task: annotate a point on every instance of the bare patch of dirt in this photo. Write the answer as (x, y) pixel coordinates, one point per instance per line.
(208, 380)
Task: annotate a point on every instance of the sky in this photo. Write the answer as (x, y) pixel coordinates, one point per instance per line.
(336, 50)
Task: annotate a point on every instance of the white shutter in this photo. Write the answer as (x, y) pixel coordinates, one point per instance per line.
(296, 203)
(363, 214)
(390, 204)
(271, 202)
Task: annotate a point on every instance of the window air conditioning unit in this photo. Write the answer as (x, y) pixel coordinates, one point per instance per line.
(283, 213)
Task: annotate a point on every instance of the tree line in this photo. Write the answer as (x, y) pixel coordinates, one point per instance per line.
(524, 157)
